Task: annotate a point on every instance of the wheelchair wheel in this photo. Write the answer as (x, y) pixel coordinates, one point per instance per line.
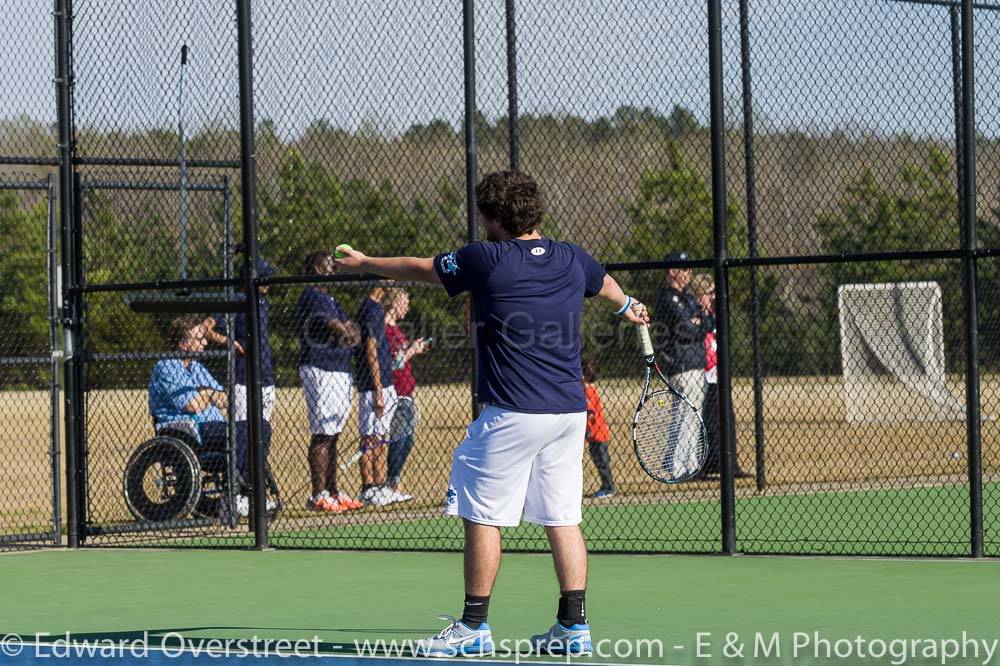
(162, 480)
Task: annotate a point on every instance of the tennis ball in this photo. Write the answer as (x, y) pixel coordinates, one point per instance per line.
(337, 254)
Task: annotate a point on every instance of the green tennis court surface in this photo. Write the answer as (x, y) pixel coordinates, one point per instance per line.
(346, 596)
(911, 521)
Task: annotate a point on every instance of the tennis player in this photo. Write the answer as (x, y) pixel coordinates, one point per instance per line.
(524, 453)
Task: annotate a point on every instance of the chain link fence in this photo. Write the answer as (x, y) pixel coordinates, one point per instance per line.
(844, 137)
(30, 439)
(29, 486)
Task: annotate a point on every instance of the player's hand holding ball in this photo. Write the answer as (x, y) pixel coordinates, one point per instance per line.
(347, 257)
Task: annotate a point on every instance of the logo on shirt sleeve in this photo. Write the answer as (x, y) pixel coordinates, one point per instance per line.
(538, 251)
(449, 263)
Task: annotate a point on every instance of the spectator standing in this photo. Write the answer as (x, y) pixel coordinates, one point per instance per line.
(216, 332)
(326, 338)
(598, 433)
(681, 327)
(377, 400)
(403, 425)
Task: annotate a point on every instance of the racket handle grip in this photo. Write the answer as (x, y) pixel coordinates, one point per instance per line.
(644, 342)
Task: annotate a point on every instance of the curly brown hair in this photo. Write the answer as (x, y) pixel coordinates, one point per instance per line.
(311, 264)
(181, 327)
(512, 199)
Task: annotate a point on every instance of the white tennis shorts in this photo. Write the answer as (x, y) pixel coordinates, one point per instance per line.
(371, 425)
(512, 462)
(328, 399)
(268, 396)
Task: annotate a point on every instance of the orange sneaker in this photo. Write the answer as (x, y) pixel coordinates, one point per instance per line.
(348, 502)
(325, 504)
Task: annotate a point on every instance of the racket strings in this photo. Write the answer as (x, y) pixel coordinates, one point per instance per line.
(670, 438)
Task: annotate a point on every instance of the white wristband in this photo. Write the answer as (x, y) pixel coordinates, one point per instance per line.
(624, 308)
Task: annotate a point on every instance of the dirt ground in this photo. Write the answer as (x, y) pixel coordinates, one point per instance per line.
(807, 442)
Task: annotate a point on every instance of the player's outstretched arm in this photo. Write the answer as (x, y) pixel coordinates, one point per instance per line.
(398, 268)
(629, 308)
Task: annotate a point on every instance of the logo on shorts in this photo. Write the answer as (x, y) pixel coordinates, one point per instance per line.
(538, 251)
(451, 497)
(449, 263)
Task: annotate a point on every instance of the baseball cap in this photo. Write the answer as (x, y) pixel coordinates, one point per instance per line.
(676, 256)
(264, 269)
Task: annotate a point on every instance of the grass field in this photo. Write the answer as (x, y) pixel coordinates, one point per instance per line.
(897, 522)
(829, 481)
(342, 597)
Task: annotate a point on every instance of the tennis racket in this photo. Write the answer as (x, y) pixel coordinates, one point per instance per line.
(668, 433)
(350, 461)
(404, 422)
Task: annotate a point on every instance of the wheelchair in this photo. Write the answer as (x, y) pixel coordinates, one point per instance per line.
(173, 475)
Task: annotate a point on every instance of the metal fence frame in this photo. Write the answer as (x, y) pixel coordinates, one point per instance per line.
(88, 526)
(53, 536)
(961, 17)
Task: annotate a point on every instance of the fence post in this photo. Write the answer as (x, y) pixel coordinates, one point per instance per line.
(720, 256)
(513, 139)
(77, 335)
(248, 174)
(968, 207)
(956, 83)
(751, 190)
(67, 198)
(469, 63)
(227, 214)
(54, 298)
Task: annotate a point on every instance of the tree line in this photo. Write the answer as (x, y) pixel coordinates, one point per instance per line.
(314, 192)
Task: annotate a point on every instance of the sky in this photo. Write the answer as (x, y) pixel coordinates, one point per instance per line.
(858, 66)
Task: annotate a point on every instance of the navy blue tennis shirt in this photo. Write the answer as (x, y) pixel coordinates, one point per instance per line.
(319, 347)
(240, 335)
(527, 302)
(371, 320)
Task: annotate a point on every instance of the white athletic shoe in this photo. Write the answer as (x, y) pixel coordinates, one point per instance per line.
(560, 640)
(392, 497)
(456, 640)
(243, 505)
(375, 496)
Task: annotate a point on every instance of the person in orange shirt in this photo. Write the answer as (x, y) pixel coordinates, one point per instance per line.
(598, 433)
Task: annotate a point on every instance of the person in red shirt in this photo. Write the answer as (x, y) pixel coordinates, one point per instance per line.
(598, 433)
(401, 431)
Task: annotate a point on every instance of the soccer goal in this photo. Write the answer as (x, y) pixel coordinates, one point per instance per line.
(892, 351)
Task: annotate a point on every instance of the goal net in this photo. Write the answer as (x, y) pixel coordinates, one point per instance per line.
(892, 351)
